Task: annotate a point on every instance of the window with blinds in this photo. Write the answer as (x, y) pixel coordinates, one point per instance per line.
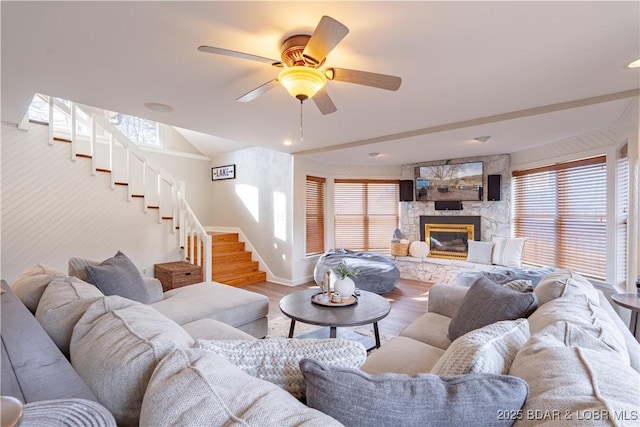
(366, 214)
(314, 216)
(622, 215)
(561, 209)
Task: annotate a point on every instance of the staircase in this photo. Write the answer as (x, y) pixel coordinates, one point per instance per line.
(93, 137)
(231, 263)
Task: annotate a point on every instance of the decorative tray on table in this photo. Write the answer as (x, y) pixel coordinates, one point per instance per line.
(344, 303)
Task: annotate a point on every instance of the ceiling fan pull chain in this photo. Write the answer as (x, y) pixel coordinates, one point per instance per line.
(301, 133)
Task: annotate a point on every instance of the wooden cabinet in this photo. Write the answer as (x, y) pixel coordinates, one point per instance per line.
(177, 274)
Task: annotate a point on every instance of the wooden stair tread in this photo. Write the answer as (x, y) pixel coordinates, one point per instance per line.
(242, 279)
(240, 267)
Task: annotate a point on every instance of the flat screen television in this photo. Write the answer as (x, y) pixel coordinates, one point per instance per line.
(452, 181)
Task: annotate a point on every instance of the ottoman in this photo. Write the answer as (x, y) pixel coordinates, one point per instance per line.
(378, 273)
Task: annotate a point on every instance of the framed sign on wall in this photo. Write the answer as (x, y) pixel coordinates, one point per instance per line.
(223, 172)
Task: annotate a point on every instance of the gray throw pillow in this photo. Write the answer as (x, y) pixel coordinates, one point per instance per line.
(355, 398)
(487, 302)
(119, 276)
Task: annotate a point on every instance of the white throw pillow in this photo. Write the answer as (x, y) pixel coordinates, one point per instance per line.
(488, 350)
(480, 252)
(194, 387)
(418, 249)
(31, 283)
(277, 360)
(62, 304)
(508, 251)
(115, 347)
(562, 283)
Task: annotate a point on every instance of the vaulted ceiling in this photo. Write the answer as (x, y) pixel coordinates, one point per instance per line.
(524, 73)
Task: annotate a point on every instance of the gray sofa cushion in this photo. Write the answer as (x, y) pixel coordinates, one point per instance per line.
(577, 385)
(194, 387)
(356, 398)
(486, 303)
(119, 276)
(115, 347)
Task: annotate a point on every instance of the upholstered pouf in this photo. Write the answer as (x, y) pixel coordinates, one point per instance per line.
(378, 273)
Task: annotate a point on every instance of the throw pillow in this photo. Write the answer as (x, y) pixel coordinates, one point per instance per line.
(355, 398)
(508, 251)
(119, 276)
(277, 360)
(115, 347)
(31, 283)
(78, 267)
(480, 252)
(418, 249)
(488, 350)
(562, 283)
(521, 285)
(487, 302)
(194, 387)
(62, 304)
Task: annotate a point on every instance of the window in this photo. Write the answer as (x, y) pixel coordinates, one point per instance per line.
(622, 215)
(562, 211)
(314, 216)
(140, 131)
(366, 214)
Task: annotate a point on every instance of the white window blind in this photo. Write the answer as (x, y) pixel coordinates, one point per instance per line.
(314, 217)
(561, 209)
(622, 211)
(366, 214)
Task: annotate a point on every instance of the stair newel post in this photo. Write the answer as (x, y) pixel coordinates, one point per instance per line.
(51, 122)
(74, 144)
(112, 174)
(144, 182)
(208, 252)
(127, 159)
(92, 149)
(158, 188)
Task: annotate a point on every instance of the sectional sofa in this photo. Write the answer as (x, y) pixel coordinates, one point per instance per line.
(557, 355)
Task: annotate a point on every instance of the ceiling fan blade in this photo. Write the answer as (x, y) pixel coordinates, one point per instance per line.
(381, 81)
(251, 95)
(324, 102)
(325, 37)
(236, 54)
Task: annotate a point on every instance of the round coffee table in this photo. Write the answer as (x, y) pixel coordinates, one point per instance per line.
(370, 308)
(632, 302)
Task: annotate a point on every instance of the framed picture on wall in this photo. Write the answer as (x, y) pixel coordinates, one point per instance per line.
(223, 172)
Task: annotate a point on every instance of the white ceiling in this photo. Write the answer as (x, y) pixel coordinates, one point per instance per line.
(468, 69)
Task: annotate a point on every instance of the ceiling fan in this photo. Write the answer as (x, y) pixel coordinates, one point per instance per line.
(302, 60)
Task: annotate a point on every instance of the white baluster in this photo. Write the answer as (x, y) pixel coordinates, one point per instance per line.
(51, 122)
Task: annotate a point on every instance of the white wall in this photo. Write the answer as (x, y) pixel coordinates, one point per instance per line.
(52, 208)
(258, 202)
(302, 266)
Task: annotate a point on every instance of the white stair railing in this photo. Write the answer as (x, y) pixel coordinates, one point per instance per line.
(193, 238)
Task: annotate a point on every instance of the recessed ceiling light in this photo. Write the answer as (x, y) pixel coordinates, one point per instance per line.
(160, 108)
(288, 142)
(634, 64)
(374, 154)
(482, 138)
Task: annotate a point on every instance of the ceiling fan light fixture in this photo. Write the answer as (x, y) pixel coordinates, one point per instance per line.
(634, 64)
(302, 82)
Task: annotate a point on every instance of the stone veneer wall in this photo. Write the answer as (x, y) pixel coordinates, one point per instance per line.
(495, 215)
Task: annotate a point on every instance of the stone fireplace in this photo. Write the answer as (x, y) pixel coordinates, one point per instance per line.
(448, 236)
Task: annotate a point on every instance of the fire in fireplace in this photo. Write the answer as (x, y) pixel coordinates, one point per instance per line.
(448, 235)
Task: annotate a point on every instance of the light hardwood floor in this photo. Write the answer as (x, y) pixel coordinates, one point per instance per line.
(408, 302)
